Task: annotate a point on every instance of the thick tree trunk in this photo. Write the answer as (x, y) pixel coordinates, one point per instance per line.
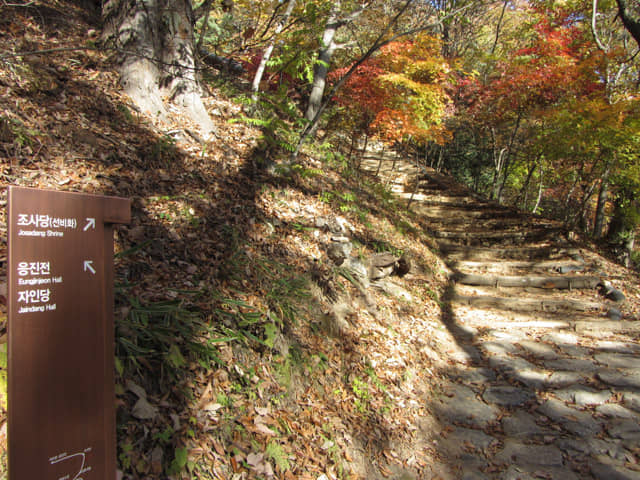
(157, 56)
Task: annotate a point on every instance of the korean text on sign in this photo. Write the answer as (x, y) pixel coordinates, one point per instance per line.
(45, 221)
(34, 296)
(33, 268)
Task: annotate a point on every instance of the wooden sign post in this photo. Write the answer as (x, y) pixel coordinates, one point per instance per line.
(61, 399)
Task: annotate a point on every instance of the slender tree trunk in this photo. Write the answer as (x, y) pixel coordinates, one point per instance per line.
(598, 225)
(157, 59)
(524, 191)
(255, 86)
(381, 160)
(540, 188)
(321, 69)
(377, 44)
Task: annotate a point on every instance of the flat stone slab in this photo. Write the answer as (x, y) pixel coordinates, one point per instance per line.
(496, 348)
(520, 369)
(507, 396)
(526, 454)
(632, 400)
(561, 338)
(624, 429)
(592, 446)
(538, 473)
(473, 438)
(565, 378)
(604, 468)
(511, 337)
(616, 360)
(575, 350)
(572, 364)
(575, 421)
(478, 376)
(616, 410)
(584, 396)
(521, 425)
(617, 347)
(620, 378)
(464, 407)
(539, 349)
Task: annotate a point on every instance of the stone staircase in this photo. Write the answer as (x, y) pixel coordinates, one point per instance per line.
(547, 384)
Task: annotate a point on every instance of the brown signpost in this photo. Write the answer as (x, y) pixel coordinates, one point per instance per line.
(61, 399)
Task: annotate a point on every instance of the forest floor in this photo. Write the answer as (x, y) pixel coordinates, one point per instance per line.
(244, 352)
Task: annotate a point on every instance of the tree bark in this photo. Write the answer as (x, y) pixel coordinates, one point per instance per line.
(255, 87)
(321, 68)
(630, 23)
(156, 57)
(598, 224)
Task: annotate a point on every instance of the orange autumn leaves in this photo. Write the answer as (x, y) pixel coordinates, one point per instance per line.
(400, 93)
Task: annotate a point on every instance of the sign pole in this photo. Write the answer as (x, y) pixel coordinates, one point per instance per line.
(61, 380)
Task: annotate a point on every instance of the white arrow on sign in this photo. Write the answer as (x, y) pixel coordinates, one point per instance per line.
(88, 265)
(91, 223)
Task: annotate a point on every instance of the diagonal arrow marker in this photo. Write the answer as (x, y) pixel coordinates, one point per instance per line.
(88, 265)
(91, 223)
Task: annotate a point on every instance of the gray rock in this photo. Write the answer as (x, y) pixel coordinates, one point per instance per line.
(591, 446)
(632, 400)
(477, 376)
(616, 360)
(357, 270)
(537, 473)
(476, 438)
(624, 429)
(564, 378)
(614, 314)
(571, 364)
(575, 421)
(464, 407)
(616, 410)
(610, 292)
(585, 396)
(539, 349)
(617, 347)
(561, 338)
(511, 337)
(527, 454)
(507, 396)
(473, 475)
(574, 350)
(392, 289)
(338, 251)
(605, 468)
(497, 348)
(521, 425)
(620, 378)
(517, 473)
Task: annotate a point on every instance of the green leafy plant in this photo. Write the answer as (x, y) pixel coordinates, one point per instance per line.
(277, 454)
(179, 462)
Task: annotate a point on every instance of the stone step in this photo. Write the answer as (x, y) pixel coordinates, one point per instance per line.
(540, 305)
(545, 282)
(546, 250)
(550, 267)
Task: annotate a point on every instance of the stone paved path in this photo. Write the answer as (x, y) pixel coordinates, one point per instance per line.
(547, 383)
